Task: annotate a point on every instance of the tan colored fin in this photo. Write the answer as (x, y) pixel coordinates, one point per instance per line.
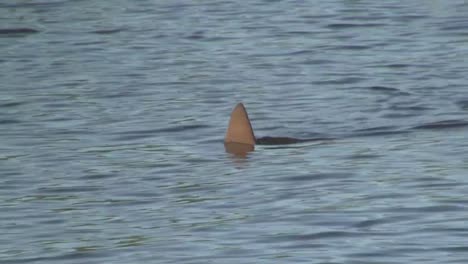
(239, 129)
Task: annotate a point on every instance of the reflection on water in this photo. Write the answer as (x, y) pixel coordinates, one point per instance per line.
(238, 149)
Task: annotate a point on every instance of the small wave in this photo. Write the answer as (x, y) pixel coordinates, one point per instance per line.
(13, 32)
(350, 47)
(379, 131)
(181, 128)
(349, 25)
(384, 89)
(9, 121)
(11, 104)
(106, 31)
(317, 177)
(139, 134)
(454, 249)
(71, 189)
(370, 223)
(387, 90)
(443, 124)
(196, 35)
(397, 65)
(371, 129)
(346, 80)
(410, 108)
(321, 235)
(463, 104)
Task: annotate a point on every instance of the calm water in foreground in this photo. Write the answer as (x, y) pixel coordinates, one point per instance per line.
(112, 117)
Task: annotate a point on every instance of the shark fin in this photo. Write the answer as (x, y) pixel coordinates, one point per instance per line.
(239, 128)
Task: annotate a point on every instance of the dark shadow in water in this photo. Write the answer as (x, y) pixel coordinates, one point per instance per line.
(375, 131)
(287, 140)
(16, 32)
(278, 140)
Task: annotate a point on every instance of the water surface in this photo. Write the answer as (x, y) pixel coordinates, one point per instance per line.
(112, 118)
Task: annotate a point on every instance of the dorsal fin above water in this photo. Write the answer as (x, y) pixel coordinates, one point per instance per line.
(239, 128)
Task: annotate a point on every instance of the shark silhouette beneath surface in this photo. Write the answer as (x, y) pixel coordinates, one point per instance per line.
(240, 138)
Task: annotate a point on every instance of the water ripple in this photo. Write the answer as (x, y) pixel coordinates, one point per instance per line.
(113, 117)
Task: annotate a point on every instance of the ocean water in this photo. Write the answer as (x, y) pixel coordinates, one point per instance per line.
(112, 118)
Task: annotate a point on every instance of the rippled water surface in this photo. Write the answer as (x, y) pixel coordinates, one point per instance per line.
(112, 117)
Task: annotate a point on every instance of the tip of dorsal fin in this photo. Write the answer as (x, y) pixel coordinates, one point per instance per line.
(239, 128)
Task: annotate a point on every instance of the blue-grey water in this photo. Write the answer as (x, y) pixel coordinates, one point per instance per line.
(113, 113)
